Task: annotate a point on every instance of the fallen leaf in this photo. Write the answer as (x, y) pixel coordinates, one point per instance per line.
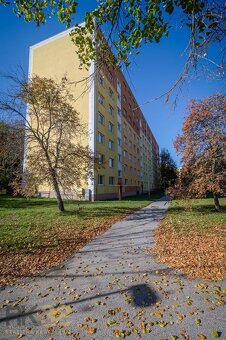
(216, 333)
(198, 321)
(91, 330)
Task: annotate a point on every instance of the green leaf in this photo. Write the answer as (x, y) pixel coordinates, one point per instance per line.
(216, 334)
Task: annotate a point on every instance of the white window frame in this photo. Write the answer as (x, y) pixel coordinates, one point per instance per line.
(100, 118)
(110, 144)
(111, 162)
(100, 98)
(100, 157)
(110, 126)
(100, 138)
(111, 110)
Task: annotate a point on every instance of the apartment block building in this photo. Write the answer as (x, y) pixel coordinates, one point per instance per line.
(118, 132)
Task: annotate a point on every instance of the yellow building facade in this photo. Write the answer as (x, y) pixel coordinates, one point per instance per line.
(117, 132)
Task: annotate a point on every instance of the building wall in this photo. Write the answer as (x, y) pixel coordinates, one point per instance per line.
(56, 58)
(108, 108)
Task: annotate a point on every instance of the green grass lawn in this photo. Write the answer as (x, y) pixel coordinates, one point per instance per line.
(196, 214)
(35, 235)
(25, 221)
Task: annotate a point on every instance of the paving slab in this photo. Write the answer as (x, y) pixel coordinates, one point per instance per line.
(114, 288)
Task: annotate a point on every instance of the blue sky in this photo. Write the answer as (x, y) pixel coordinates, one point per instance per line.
(150, 75)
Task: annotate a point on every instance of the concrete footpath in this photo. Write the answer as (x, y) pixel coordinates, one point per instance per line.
(114, 288)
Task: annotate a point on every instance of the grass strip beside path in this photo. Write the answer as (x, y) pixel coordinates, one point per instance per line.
(192, 238)
(35, 236)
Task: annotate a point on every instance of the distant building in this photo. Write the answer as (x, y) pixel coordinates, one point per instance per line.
(117, 130)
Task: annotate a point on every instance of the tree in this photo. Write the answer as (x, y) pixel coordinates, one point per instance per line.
(55, 155)
(203, 148)
(11, 153)
(168, 169)
(128, 24)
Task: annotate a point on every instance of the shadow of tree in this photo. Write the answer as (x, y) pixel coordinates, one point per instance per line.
(141, 295)
(202, 209)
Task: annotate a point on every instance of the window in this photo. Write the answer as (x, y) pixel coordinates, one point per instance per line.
(119, 112)
(100, 179)
(129, 119)
(101, 80)
(124, 113)
(100, 138)
(110, 110)
(124, 125)
(111, 162)
(130, 157)
(119, 173)
(124, 99)
(125, 139)
(119, 158)
(100, 158)
(110, 126)
(130, 144)
(110, 76)
(111, 180)
(125, 167)
(110, 92)
(119, 142)
(100, 99)
(125, 153)
(119, 126)
(119, 97)
(126, 181)
(110, 144)
(100, 118)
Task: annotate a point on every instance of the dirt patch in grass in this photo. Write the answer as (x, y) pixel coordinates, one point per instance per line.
(193, 240)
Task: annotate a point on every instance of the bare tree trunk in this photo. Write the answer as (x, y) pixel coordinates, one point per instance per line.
(216, 202)
(60, 202)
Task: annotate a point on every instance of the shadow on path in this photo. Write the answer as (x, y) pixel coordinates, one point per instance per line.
(141, 295)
